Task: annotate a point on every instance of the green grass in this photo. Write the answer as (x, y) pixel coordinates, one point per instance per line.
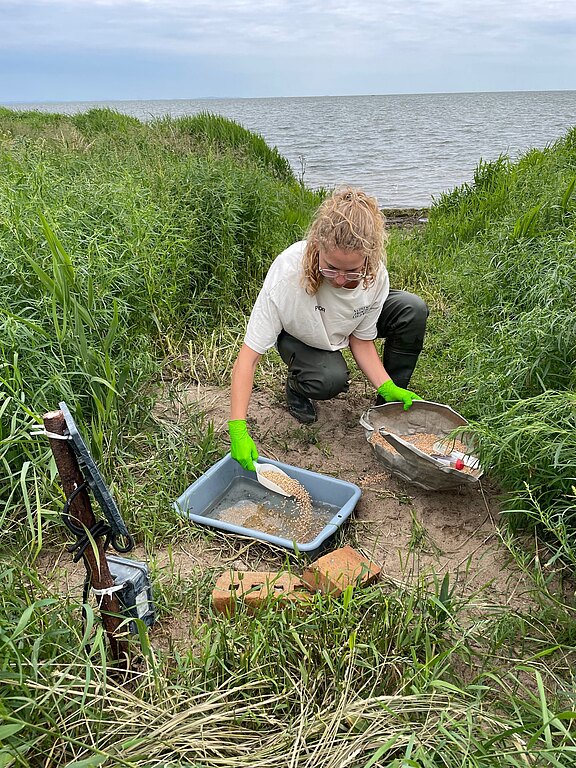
(496, 264)
(217, 134)
(376, 674)
(130, 255)
(117, 252)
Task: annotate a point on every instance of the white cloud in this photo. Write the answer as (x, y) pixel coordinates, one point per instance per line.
(287, 47)
(346, 28)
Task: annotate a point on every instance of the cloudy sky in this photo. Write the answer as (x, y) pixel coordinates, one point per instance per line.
(67, 50)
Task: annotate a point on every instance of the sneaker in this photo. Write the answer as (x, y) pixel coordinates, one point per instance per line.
(302, 408)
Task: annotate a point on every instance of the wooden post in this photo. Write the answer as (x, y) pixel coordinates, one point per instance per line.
(81, 510)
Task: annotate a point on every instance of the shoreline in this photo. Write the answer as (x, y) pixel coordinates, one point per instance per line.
(405, 218)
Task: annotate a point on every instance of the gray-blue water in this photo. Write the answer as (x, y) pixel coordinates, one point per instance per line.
(404, 149)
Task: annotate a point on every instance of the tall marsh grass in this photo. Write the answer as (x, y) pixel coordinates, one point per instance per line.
(496, 262)
(220, 135)
(122, 247)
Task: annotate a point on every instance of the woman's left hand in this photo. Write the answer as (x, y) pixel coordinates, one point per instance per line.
(393, 394)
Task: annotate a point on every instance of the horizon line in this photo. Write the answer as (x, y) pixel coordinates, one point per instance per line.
(255, 98)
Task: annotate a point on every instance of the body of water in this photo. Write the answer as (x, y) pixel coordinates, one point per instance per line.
(404, 149)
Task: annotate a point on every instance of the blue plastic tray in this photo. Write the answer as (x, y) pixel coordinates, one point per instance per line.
(226, 488)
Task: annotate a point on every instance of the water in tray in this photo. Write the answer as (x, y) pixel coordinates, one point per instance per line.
(248, 504)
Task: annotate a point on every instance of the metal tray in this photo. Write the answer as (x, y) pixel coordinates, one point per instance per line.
(408, 461)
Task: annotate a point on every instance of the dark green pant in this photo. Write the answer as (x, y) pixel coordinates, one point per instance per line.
(321, 375)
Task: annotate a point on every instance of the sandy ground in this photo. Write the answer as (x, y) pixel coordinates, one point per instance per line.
(400, 526)
(407, 531)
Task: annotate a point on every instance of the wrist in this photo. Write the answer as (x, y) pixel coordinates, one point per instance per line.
(386, 386)
(237, 427)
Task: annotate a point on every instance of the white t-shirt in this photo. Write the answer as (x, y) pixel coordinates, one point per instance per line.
(325, 320)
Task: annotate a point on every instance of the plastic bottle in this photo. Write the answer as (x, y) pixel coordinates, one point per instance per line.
(450, 461)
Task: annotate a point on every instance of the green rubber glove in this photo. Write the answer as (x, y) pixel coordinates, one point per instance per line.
(242, 447)
(392, 394)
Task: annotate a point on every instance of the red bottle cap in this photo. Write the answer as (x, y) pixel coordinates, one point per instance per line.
(459, 464)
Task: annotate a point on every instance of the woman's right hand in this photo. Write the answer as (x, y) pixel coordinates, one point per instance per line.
(242, 447)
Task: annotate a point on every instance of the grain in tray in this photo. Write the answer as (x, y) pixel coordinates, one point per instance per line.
(291, 486)
(431, 443)
(427, 442)
(377, 439)
(305, 524)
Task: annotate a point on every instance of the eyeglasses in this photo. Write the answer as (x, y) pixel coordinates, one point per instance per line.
(350, 276)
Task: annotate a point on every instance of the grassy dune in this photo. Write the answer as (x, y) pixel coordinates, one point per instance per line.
(131, 253)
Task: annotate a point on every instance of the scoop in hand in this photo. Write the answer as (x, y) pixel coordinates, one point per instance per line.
(268, 473)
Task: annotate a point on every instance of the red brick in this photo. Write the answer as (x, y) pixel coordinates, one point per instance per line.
(332, 573)
(282, 587)
(254, 587)
(224, 598)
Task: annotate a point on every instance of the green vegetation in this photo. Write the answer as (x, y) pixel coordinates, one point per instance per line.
(120, 243)
(497, 263)
(130, 255)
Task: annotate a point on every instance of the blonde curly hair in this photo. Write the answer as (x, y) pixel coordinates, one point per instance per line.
(349, 220)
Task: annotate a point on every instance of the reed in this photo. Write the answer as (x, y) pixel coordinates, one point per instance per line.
(218, 134)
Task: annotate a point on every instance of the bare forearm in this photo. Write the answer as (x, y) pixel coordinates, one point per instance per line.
(242, 382)
(368, 360)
